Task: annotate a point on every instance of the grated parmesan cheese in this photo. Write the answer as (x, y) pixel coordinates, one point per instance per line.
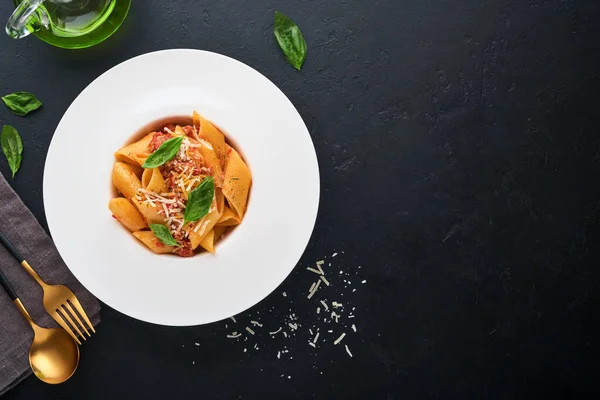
(320, 269)
(256, 323)
(325, 305)
(315, 271)
(348, 350)
(250, 331)
(338, 340)
(275, 332)
(325, 281)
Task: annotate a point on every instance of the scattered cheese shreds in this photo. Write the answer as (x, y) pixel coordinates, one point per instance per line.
(365, 281)
(348, 350)
(316, 337)
(338, 340)
(354, 327)
(233, 319)
(314, 270)
(284, 294)
(324, 280)
(234, 336)
(275, 332)
(250, 331)
(312, 287)
(311, 332)
(278, 354)
(320, 262)
(320, 269)
(312, 344)
(335, 304)
(256, 323)
(333, 255)
(325, 305)
(318, 310)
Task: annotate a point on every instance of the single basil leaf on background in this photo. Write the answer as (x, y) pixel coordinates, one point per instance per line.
(199, 200)
(12, 147)
(290, 40)
(164, 153)
(163, 234)
(21, 103)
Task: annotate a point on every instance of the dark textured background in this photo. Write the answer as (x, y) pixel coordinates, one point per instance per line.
(459, 153)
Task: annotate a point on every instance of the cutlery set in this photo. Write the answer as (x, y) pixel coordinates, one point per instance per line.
(54, 354)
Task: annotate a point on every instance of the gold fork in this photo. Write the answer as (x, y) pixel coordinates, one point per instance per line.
(59, 301)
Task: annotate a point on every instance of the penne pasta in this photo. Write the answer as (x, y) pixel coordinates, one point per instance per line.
(127, 214)
(152, 242)
(237, 181)
(125, 180)
(153, 181)
(199, 230)
(150, 211)
(208, 132)
(228, 218)
(135, 153)
(209, 241)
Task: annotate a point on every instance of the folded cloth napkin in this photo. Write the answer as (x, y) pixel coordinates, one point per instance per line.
(22, 229)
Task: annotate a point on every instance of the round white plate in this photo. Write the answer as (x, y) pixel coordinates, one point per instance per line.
(254, 259)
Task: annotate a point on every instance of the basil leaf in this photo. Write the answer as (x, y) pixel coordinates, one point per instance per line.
(21, 103)
(290, 40)
(163, 234)
(199, 200)
(12, 147)
(164, 153)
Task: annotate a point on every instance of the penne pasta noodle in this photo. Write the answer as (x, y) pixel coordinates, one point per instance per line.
(127, 214)
(208, 132)
(135, 153)
(237, 181)
(152, 242)
(228, 218)
(125, 180)
(150, 211)
(153, 181)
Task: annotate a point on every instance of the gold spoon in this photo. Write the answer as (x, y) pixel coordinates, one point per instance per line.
(53, 355)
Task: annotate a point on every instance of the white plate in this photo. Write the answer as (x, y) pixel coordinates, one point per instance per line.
(254, 259)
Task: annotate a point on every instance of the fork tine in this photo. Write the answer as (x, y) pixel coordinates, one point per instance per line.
(81, 311)
(66, 316)
(57, 317)
(67, 305)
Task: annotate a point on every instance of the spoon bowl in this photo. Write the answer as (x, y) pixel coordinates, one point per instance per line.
(53, 355)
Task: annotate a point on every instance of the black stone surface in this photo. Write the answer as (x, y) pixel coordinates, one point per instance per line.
(459, 151)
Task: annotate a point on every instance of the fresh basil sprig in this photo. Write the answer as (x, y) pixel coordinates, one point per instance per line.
(290, 40)
(163, 234)
(21, 103)
(199, 200)
(164, 153)
(12, 147)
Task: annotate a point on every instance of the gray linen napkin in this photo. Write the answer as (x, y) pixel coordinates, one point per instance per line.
(22, 229)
